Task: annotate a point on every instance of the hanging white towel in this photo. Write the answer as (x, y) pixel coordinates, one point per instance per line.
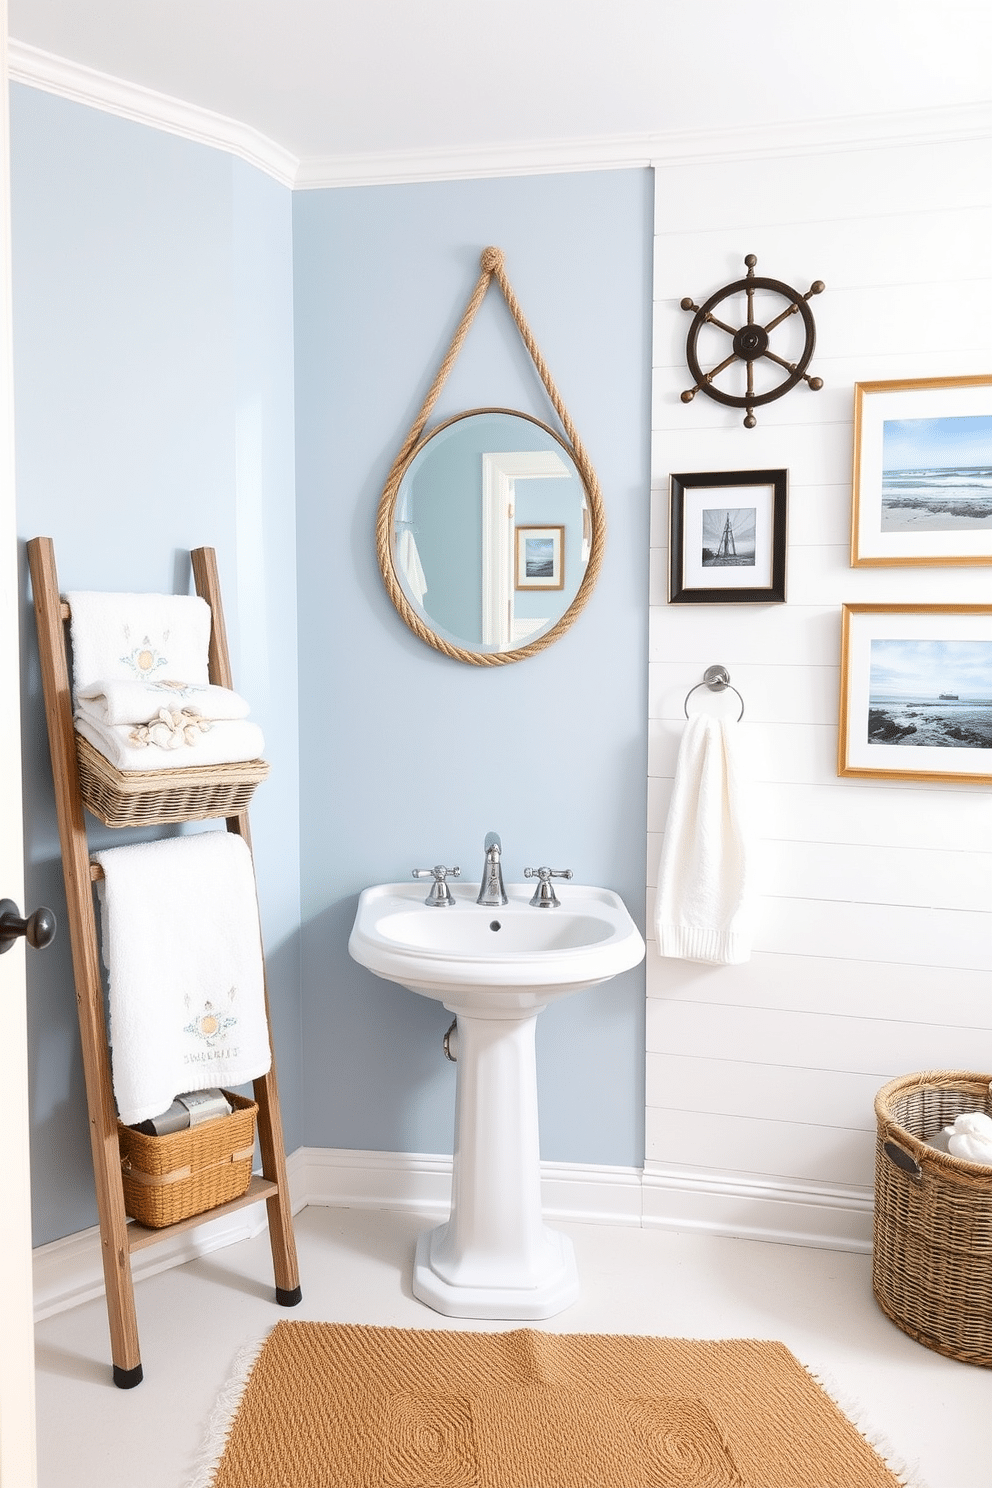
(221, 743)
(125, 637)
(113, 702)
(413, 570)
(182, 945)
(702, 911)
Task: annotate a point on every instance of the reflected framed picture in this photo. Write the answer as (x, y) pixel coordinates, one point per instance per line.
(540, 558)
(916, 692)
(922, 472)
(728, 537)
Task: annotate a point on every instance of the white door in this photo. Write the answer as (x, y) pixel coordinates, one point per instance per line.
(17, 1426)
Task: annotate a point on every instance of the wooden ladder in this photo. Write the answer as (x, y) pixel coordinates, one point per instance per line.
(119, 1236)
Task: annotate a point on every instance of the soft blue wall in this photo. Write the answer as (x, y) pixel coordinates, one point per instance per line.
(408, 758)
(158, 286)
(154, 413)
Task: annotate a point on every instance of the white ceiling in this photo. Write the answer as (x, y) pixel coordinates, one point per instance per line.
(325, 78)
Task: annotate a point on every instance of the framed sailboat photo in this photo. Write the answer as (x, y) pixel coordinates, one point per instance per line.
(728, 537)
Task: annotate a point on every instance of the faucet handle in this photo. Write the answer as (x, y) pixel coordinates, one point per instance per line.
(439, 894)
(544, 896)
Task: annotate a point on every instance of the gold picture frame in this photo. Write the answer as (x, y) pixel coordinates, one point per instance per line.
(922, 490)
(916, 692)
(539, 556)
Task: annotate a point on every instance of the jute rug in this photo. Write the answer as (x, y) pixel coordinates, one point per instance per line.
(335, 1406)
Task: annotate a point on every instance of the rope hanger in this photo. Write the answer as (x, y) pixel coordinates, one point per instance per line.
(492, 267)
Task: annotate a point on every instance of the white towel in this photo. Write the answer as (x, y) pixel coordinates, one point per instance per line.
(113, 702)
(409, 560)
(222, 743)
(182, 945)
(970, 1137)
(122, 637)
(702, 911)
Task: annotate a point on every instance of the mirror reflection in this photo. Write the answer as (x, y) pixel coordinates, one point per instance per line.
(491, 530)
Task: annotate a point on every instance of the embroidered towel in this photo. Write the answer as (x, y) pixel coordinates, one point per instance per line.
(124, 637)
(222, 743)
(702, 911)
(113, 702)
(182, 946)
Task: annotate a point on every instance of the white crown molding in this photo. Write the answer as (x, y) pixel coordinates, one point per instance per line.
(784, 1212)
(824, 136)
(474, 162)
(141, 105)
(85, 85)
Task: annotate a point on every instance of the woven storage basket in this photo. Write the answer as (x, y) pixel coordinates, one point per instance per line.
(169, 1178)
(932, 1252)
(139, 798)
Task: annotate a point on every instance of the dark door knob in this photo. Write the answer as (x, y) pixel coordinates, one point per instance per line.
(38, 929)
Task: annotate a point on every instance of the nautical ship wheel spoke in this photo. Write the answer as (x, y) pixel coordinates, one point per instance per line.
(779, 318)
(712, 320)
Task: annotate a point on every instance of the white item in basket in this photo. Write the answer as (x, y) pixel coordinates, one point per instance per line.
(970, 1138)
(115, 702)
(227, 742)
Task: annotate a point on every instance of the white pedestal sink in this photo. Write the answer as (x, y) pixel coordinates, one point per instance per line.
(495, 969)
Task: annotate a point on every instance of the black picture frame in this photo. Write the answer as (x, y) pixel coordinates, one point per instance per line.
(741, 536)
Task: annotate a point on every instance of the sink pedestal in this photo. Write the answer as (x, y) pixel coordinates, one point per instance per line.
(495, 1258)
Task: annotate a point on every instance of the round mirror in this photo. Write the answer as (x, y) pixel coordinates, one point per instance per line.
(490, 536)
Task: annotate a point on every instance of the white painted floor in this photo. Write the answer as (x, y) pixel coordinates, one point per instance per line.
(356, 1267)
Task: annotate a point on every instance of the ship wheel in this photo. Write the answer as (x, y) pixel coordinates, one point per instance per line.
(750, 342)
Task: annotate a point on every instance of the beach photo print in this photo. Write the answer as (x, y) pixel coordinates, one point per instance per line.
(916, 692)
(922, 472)
(728, 537)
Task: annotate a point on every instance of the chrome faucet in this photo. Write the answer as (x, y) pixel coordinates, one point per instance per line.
(544, 896)
(440, 895)
(492, 891)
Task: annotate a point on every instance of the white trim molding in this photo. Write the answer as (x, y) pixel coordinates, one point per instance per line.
(778, 1211)
(142, 105)
(69, 1271)
(81, 84)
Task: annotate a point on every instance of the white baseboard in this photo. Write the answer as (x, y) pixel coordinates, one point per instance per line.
(784, 1211)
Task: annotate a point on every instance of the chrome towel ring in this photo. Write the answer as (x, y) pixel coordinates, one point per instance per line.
(717, 679)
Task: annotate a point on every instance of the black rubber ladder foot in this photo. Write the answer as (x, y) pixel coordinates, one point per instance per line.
(126, 1379)
(288, 1297)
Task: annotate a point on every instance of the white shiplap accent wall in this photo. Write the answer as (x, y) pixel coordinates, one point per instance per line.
(873, 949)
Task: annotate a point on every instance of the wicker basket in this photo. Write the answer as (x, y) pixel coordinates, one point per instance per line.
(169, 1178)
(144, 798)
(932, 1252)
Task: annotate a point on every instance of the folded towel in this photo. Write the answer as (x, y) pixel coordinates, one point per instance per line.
(120, 637)
(181, 943)
(111, 702)
(970, 1137)
(174, 743)
(702, 911)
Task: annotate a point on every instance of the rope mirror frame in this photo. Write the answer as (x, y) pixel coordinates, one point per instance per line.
(492, 268)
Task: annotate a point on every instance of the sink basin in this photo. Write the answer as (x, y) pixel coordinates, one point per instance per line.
(516, 956)
(496, 969)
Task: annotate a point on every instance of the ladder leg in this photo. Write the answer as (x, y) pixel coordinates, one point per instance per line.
(270, 1134)
(279, 1209)
(86, 968)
